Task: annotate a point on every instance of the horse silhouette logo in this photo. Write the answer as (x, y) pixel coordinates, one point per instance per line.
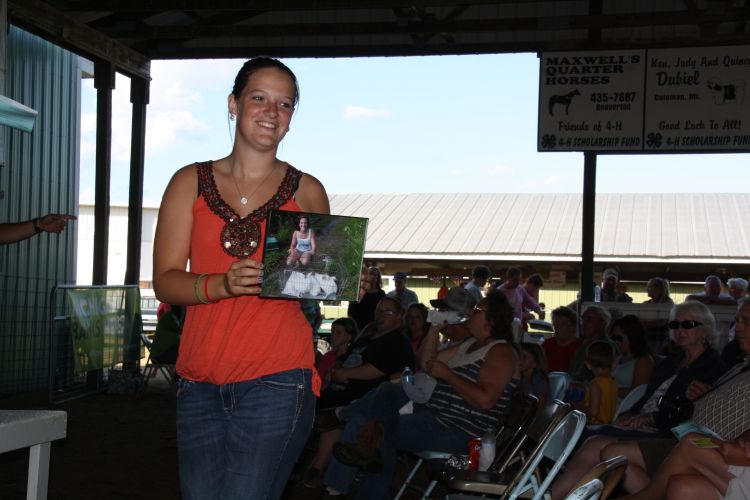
(723, 92)
(564, 99)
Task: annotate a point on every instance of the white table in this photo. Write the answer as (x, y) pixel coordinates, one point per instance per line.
(33, 429)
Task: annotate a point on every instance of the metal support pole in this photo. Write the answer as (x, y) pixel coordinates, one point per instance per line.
(139, 96)
(104, 82)
(587, 226)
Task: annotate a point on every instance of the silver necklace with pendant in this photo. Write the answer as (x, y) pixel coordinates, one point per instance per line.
(245, 199)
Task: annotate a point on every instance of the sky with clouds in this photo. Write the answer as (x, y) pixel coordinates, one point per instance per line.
(441, 124)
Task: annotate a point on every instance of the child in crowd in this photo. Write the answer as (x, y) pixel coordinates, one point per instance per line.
(534, 372)
(343, 332)
(600, 402)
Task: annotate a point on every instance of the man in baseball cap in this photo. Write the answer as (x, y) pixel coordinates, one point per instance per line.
(401, 293)
(610, 292)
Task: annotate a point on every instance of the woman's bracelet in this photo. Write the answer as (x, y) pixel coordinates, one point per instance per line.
(195, 289)
(35, 223)
(205, 289)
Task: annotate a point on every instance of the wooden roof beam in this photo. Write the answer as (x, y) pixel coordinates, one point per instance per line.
(158, 6)
(427, 27)
(39, 18)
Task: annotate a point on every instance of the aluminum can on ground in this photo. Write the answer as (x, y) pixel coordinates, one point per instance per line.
(474, 446)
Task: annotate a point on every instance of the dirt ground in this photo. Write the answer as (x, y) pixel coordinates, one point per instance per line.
(118, 446)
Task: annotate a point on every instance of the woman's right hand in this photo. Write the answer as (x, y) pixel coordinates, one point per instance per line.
(623, 420)
(735, 452)
(696, 389)
(436, 327)
(243, 277)
(635, 421)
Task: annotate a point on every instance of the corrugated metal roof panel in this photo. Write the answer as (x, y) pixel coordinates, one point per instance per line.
(693, 226)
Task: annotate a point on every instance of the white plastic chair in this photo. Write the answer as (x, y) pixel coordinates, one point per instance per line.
(558, 385)
(556, 446)
(628, 401)
(563, 439)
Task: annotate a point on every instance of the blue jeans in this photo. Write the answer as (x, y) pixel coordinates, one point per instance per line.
(242, 440)
(418, 431)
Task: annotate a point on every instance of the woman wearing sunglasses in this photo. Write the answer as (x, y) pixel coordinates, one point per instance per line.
(665, 404)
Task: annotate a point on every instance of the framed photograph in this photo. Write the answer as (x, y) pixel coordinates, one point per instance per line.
(313, 256)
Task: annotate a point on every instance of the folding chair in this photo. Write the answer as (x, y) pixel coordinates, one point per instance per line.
(558, 385)
(599, 482)
(514, 431)
(542, 423)
(556, 445)
(591, 490)
(422, 456)
(516, 452)
(152, 366)
(162, 348)
(628, 401)
(520, 411)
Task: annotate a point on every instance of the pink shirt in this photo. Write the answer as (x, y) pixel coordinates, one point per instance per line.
(519, 298)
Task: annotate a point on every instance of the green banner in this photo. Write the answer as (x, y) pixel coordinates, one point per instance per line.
(103, 326)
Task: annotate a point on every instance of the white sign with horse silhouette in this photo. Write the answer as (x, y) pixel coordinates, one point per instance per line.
(591, 101)
(670, 100)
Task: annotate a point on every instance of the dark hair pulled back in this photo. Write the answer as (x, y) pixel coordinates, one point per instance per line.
(500, 316)
(256, 64)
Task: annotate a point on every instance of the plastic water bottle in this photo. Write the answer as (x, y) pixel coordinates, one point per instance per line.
(517, 330)
(487, 451)
(597, 293)
(407, 376)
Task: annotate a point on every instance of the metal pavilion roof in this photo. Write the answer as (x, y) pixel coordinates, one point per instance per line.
(533, 227)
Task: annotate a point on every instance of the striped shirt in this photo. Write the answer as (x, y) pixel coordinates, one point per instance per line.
(452, 410)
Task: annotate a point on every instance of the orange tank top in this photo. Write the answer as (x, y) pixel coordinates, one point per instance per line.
(246, 337)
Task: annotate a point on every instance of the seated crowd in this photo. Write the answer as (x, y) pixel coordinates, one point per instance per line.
(687, 436)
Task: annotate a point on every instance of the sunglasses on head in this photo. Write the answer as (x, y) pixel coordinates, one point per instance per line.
(687, 324)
